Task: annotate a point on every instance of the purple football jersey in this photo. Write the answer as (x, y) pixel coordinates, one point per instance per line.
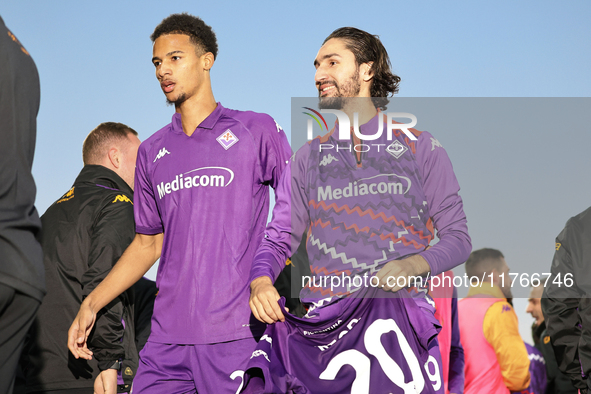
(356, 345)
(208, 193)
(361, 215)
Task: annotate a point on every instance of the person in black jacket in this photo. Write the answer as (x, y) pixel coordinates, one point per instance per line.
(566, 302)
(84, 234)
(22, 284)
(557, 382)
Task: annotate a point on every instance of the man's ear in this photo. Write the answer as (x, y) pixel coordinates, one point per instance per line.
(495, 275)
(115, 157)
(367, 70)
(208, 60)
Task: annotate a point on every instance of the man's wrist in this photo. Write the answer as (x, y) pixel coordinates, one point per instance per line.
(420, 266)
(260, 280)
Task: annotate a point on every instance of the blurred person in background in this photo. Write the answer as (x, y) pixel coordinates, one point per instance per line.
(495, 355)
(566, 302)
(557, 381)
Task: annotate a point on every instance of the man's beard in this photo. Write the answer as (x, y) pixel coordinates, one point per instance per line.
(178, 101)
(350, 88)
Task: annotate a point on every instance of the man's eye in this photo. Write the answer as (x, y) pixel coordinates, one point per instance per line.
(156, 64)
(175, 57)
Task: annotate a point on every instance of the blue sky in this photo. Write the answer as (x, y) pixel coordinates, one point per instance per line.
(94, 65)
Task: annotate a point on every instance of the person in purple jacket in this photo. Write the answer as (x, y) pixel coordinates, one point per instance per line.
(201, 203)
(370, 216)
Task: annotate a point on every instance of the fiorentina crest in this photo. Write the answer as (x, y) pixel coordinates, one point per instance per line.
(227, 139)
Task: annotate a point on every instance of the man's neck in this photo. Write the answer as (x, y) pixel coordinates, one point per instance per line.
(365, 109)
(195, 110)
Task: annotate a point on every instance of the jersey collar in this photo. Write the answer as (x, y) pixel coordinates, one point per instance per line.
(208, 123)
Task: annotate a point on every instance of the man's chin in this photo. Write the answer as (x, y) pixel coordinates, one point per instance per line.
(177, 101)
(330, 102)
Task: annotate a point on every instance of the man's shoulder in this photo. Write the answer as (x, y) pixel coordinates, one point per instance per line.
(501, 308)
(582, 220)
(255, 122)
(154, 141)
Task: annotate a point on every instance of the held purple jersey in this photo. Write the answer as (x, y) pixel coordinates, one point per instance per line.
(208, 193)
(360, 215)
(358, 346)
(537, 372)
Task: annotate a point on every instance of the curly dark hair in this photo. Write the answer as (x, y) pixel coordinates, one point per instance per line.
(368, 48)
(201, 34)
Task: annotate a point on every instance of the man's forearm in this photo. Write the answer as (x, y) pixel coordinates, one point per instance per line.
(137, 259)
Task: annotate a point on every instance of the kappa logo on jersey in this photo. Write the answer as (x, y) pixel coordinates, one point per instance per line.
(199, 177)
(161, 154)
(122, 198)
(259, 352)
(359, 188)
(68, 196)
(326, 160)
(435, 144)
(227, 139)
(396, 149)
(279, 129)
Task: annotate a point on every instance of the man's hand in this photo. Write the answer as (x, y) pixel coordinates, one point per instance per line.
(79, 331)
(106, 382)
(406, 268)
(263, 300)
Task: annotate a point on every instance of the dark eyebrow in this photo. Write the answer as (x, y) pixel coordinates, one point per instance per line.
(316, 62)
(168, 54)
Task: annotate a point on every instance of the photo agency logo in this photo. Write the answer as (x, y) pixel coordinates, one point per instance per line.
(345, 131)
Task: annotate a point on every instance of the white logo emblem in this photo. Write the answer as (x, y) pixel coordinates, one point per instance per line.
(199, 177)
(259, 352)
(396, 149)
(279, 128)
(161, 154)
(326, 160)
(227, 139)
(435, 144)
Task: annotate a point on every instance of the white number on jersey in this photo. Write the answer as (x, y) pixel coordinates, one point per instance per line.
(373, 344)
(236, 374)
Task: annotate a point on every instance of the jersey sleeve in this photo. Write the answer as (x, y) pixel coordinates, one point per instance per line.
(290, 218)
(501, 330)
(441, 190)
(147, 217)
(274, 152)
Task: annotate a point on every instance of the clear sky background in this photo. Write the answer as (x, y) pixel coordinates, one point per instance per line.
(519, 185)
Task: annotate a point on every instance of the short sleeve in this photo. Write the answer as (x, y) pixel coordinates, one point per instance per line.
(274, 153)
(147, 216)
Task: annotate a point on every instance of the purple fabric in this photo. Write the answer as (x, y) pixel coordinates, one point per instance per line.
(456, 353)
(213, 368)
(373, 345)
(209, 194)
(358, 228)
(537, 372)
